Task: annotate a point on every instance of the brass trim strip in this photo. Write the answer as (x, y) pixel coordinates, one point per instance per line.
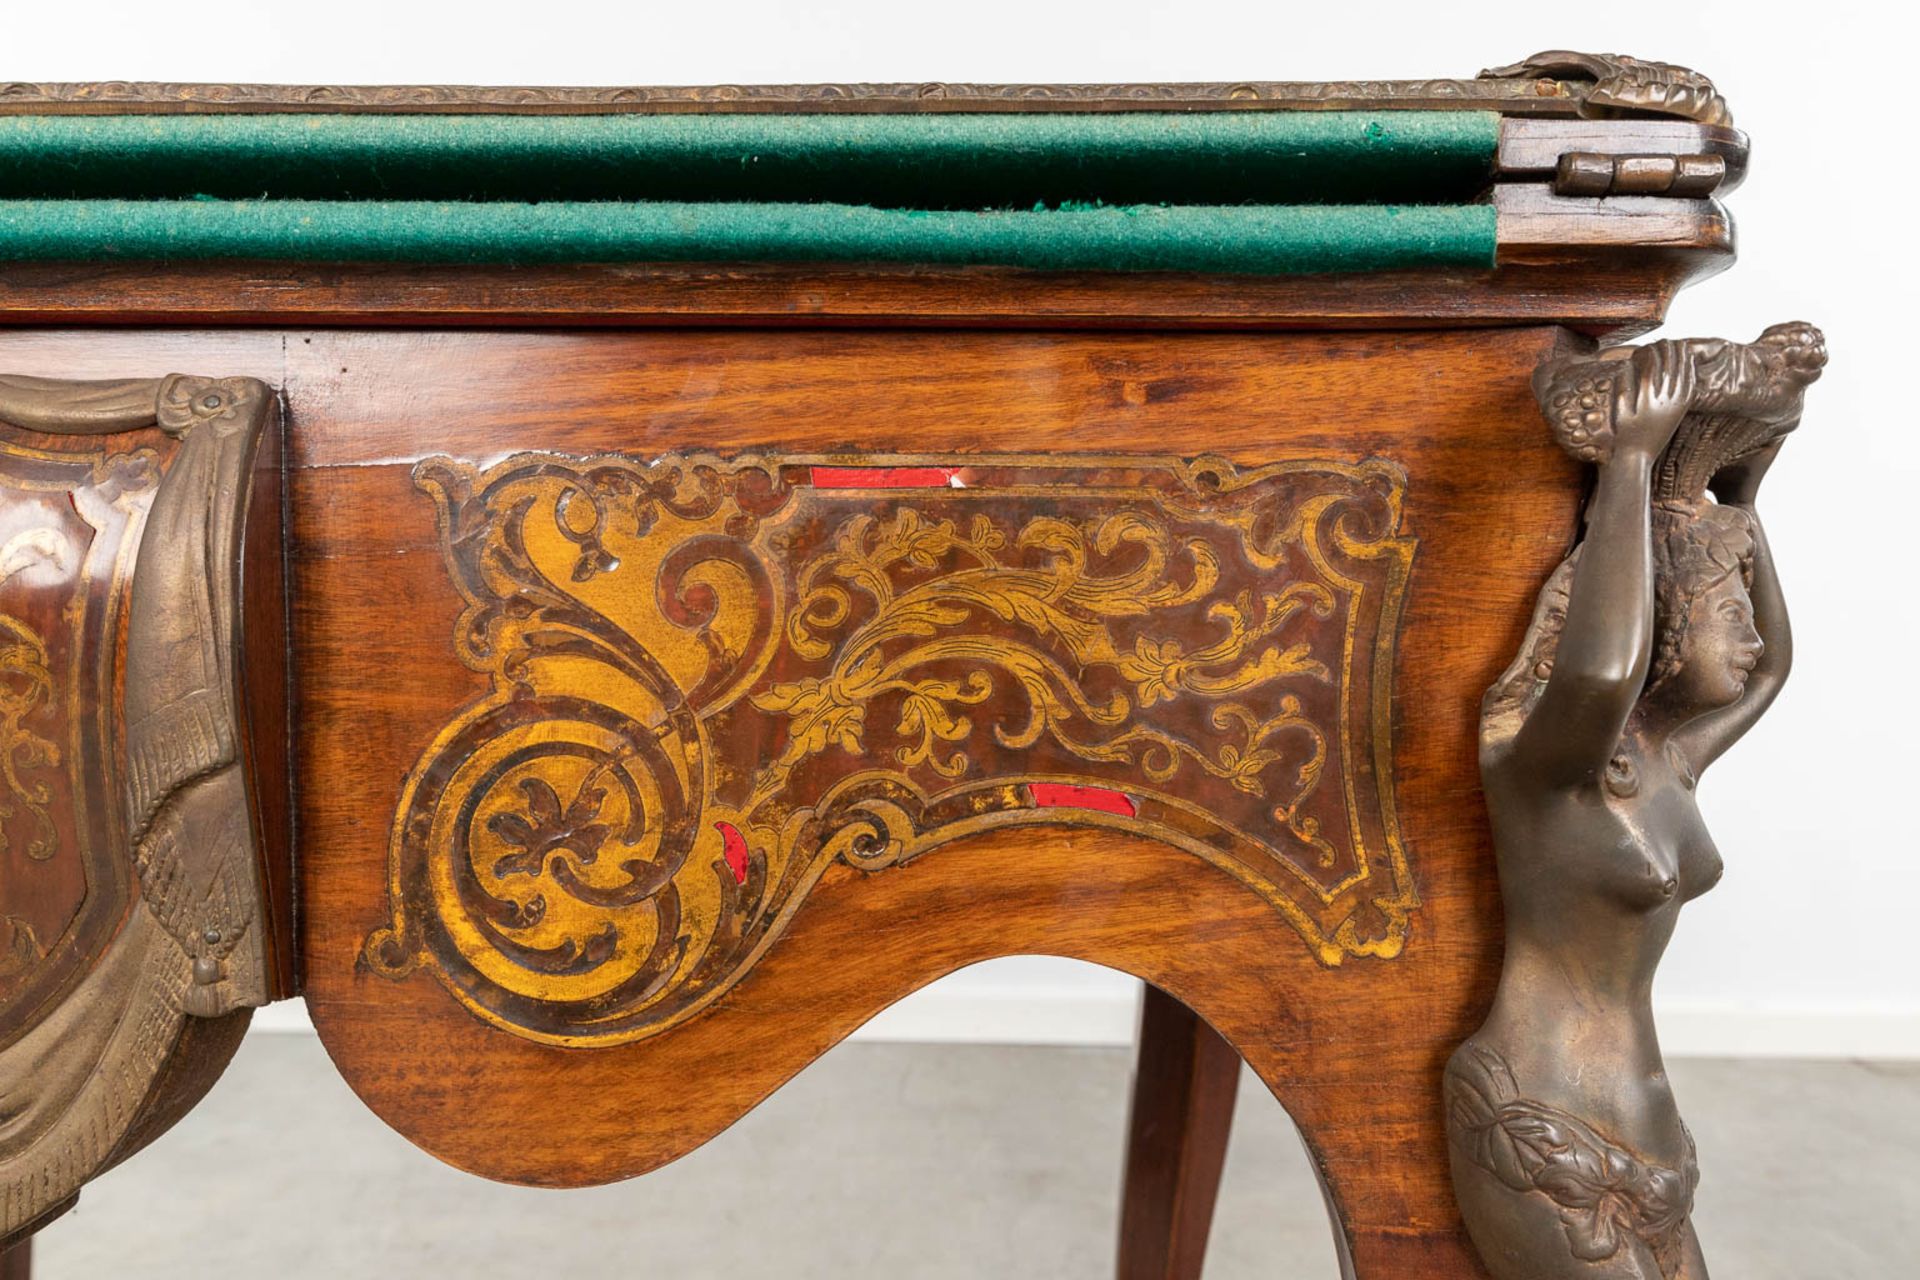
(1548, 97)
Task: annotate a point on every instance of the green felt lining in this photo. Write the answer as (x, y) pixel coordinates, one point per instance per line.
(1254, 240)
(930, 161)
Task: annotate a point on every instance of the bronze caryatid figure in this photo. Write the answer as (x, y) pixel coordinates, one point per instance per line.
(1653, 648)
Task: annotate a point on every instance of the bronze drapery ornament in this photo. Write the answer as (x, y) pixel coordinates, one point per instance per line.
(139, 936)
(1653, 648)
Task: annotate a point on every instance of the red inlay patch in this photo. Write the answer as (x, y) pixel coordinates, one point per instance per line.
(883, 477)
(735, 847)
(1064, 795)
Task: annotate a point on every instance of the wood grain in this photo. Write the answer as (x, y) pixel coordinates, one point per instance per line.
(1184, 1086)
(265, 725)
(1600, 292)
(1353, 1052)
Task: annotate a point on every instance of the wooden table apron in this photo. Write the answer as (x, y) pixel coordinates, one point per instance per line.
(1354, 1050)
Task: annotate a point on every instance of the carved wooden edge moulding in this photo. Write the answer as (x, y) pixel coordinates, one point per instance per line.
(135, 932)
(716, 678)
(1555, 83)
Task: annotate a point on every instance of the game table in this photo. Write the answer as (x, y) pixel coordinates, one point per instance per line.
(599, 592)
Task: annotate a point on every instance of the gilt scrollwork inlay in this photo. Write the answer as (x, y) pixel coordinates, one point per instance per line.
(714, 678)
(26, 685)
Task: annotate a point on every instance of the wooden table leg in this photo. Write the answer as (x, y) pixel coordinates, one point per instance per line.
(1183, 1091)
(17, 1263)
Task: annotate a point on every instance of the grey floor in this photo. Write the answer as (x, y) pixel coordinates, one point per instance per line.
(913, 1161)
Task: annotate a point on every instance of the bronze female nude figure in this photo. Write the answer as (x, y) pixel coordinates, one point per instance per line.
(1652, 649)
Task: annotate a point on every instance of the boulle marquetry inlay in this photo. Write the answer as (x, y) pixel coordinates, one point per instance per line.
(715, 678)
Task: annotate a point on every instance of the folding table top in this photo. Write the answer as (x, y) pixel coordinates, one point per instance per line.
(1573, 188)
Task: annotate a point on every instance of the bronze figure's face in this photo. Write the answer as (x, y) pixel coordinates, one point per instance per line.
(1718, 647)
(1706, 642)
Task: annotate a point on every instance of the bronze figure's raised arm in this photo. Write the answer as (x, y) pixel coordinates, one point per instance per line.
(1654, 646)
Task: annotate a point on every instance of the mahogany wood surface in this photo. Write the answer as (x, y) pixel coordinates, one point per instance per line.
(1353, 1051)
(266, 725)
(1599, 291)
(1184, 1086)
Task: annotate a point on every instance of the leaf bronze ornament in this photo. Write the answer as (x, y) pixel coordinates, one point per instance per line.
(713, 678)
(1614, 83)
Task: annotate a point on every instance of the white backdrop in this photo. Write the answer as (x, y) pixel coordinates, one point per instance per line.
(1805, 948)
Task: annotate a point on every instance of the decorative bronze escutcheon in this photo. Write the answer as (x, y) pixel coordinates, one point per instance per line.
(142, 763)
